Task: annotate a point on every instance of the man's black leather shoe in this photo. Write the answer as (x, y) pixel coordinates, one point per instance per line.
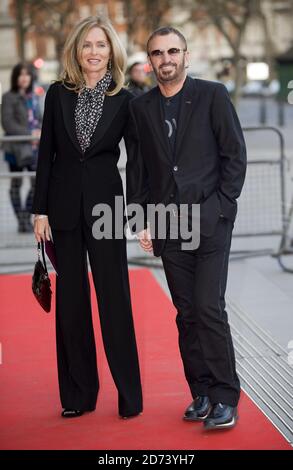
(198, 410)
(131, 415)
(221, 417)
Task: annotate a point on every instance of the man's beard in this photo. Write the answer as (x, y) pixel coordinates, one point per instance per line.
(175, 73)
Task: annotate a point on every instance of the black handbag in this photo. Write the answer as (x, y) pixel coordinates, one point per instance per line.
(41, 284)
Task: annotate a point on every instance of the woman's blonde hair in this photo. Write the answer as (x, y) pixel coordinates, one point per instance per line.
(72, 73)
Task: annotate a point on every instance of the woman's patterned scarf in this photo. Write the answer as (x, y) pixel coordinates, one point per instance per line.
(89, 110)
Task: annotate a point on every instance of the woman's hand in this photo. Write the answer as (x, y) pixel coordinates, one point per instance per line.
(42, 229)
(145, 240)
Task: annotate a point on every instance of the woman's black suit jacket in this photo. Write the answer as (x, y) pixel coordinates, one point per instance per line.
(64, 173)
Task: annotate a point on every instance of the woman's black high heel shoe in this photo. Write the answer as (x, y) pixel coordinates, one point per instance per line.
(67, 413)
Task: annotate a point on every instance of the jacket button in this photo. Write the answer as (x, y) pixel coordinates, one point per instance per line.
(175, 168)
(172, 195)
(81, 159)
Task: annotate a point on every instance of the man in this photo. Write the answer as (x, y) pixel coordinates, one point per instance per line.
(186, 145)
(137, 83)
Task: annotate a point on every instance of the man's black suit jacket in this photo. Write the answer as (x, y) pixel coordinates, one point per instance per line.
(209, 164)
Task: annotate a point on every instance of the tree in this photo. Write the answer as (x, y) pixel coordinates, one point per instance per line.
(51, 18)
(143, 17)
(231, 18)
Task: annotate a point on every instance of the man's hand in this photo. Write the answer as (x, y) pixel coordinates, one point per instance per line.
(42, 229)
(145, 240)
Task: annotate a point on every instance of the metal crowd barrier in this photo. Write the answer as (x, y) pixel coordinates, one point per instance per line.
(285, 250)
(263, 202)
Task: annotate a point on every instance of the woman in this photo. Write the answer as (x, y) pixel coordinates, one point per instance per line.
(84, 120)
(21, 116)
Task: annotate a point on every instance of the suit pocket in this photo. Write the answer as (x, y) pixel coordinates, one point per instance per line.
(210, 211)
(209, 190)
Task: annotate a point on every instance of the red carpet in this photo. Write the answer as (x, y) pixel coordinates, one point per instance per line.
(30, 408)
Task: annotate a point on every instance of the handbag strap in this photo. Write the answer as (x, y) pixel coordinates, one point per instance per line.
(41, 246)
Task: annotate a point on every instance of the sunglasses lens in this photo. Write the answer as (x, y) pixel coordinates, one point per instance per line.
(156, 53)
(173, 51)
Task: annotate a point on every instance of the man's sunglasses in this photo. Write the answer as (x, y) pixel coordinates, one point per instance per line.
(173, 51)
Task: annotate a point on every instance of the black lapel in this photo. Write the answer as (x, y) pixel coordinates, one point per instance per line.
(187, 106)
(110, 108)
(156, 118)
(68, 101)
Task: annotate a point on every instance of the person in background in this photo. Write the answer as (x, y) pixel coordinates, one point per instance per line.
(138, 79)
(21, 115)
